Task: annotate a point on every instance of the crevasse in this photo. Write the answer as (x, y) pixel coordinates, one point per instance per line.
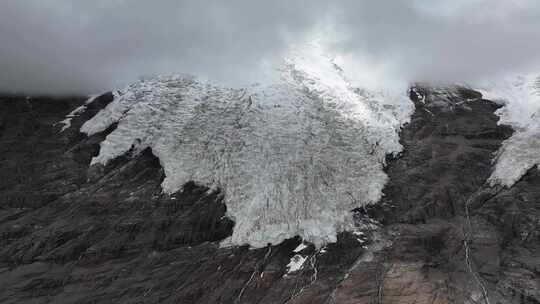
(293, 158)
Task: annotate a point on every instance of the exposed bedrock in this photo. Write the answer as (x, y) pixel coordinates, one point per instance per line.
(69, 234)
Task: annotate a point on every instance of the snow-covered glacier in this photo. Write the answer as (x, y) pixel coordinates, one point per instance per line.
(520, 96)
(292, 158)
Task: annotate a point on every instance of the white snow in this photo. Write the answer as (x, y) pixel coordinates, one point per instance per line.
(296, 263)
(520, 96)
(300, 247)
(66, 124)
(292, 158)
(67, 121)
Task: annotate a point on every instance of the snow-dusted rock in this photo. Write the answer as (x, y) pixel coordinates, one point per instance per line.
(296, 263)
(66, 122)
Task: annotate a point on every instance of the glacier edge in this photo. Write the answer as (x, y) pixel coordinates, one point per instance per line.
(292, 158)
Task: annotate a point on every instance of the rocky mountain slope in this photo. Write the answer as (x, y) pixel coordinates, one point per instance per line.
(71, 233)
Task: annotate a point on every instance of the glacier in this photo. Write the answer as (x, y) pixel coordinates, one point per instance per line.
(292, 158)
(520, 97)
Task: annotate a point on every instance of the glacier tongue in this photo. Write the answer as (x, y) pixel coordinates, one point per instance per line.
(521, 98)
(292, 158)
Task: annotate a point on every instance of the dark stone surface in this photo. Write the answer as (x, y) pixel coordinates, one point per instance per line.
(73, 234)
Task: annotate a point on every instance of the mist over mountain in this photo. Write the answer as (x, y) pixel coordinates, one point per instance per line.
(58, 47)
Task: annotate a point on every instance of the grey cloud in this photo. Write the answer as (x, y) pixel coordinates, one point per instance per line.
(444, 40)
(70, 46)
(61, 46)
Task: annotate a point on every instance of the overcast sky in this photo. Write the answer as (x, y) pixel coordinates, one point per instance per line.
(65, 46)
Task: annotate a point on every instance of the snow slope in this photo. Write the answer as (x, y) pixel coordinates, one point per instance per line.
(292, 158)
(521, 98)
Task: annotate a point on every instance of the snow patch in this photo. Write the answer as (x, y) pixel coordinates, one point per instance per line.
(300, 247)
(421, 97)
(296, 263)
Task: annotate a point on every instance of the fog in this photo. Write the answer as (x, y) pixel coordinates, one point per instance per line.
(83, 47)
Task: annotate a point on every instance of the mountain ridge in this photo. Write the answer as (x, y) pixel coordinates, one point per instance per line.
(75, 234)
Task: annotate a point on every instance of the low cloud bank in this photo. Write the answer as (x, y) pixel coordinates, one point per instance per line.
(64, 47)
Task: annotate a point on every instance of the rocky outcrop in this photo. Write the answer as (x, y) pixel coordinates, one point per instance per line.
(74, 234)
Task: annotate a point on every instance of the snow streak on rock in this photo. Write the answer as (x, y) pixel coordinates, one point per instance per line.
(292, 158)
(67, 121)
(521, 98)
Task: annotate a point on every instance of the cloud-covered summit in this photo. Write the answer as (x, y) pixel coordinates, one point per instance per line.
(83, 47)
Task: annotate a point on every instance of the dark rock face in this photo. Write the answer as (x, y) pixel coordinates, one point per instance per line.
(70, 234)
